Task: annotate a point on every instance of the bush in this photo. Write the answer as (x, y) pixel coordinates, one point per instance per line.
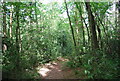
(100, 66)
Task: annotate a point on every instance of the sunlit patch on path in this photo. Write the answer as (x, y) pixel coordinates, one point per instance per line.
(54, 70)
(43, 71)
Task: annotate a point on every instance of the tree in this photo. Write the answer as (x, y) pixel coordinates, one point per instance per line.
(4, 20)
(36, 14)
(29, 47)
(92, 26)
(119, 19)
(11, 14)
(82, 21)
(70, 24)
(17, 35)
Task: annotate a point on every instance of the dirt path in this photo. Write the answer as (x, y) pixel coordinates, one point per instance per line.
(55, 70)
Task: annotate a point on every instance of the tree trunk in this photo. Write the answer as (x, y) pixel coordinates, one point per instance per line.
(4, 20)
(11, 13)
(87, 30)
(17, 36)
(70, 24)
(77, 29)
(88, 33)
(99, 30)
(99, 35)
(36, 14)
(119, 13)
(92, 26)
(81, 18)
(100, 21)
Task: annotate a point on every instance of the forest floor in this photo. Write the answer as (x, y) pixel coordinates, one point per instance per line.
(56, 70)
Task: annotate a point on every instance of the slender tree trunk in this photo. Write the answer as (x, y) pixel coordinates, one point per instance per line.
(99, 35)
(36, 14)
(119, 17)
(103, 27)
(81, 18)
(88, 34)
(11, 13)
(17, 37)
(30, 18)
(77, 29)
(92, 26)
(107, 37)
(87, 30)
(70, 24)
(99, 30)
(4, 20)
(20, 42)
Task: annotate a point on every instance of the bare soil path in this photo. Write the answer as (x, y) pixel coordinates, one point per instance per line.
(54, 70)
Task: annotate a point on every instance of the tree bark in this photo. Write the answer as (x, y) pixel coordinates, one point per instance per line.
(11, 13)
(70, 24)
(119, 20)
(99, 35)
(4, 20)
(103, 27)
(17, 36)
(119, 13)
(92, 26)
(81, 18)
(36, 14)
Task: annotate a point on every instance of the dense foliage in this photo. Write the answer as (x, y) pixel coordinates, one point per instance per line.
(34, 33)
